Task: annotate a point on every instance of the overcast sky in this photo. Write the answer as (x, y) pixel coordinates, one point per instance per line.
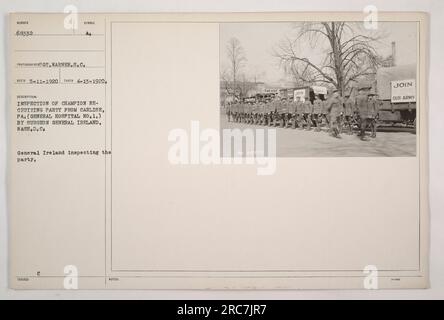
(259, 39)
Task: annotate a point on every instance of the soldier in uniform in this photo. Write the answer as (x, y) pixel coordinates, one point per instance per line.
(271, 110)
(234, 111)
(249, 112)
(241, 111)
(267, 113)
(349, 106)
(362, 106)
(325, 112)
(253, 112)
(288, 112)
(292, 113)
(283, 110)
(317, 112)
(261, 113)
(277, 112)
(256, 112)
(227, 111)
(259, 109)
(335, 109)
(299, 113)
(373, 106)
(308, 110)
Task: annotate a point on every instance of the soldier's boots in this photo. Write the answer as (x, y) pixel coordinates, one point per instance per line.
(350, 127)
(293, 121)
(373, 126)
(282, 120)
(309, 123)
(361, 135)
(335, 133)
(299, 122)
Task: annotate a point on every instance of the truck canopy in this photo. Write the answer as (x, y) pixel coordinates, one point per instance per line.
(384, 76)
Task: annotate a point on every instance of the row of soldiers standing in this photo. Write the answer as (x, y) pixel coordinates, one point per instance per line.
(336, 112)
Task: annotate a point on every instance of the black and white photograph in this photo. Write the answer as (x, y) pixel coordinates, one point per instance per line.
(260, 152)
(329, 89)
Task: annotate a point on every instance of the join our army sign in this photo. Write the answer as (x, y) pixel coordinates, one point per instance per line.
(403, 91)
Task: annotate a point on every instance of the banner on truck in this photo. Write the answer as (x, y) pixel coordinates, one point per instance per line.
(403, 91)
(299, 93)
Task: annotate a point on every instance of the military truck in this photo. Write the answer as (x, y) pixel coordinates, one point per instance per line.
(396, 91)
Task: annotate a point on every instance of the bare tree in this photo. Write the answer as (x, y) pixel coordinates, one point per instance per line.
(236, 57)
(350, 54)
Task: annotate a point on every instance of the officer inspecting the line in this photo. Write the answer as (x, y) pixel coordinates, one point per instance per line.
(335, 109)
(373, 108)
(362, 105)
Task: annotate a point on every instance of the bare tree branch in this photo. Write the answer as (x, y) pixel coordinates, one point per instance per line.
(351, 55)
